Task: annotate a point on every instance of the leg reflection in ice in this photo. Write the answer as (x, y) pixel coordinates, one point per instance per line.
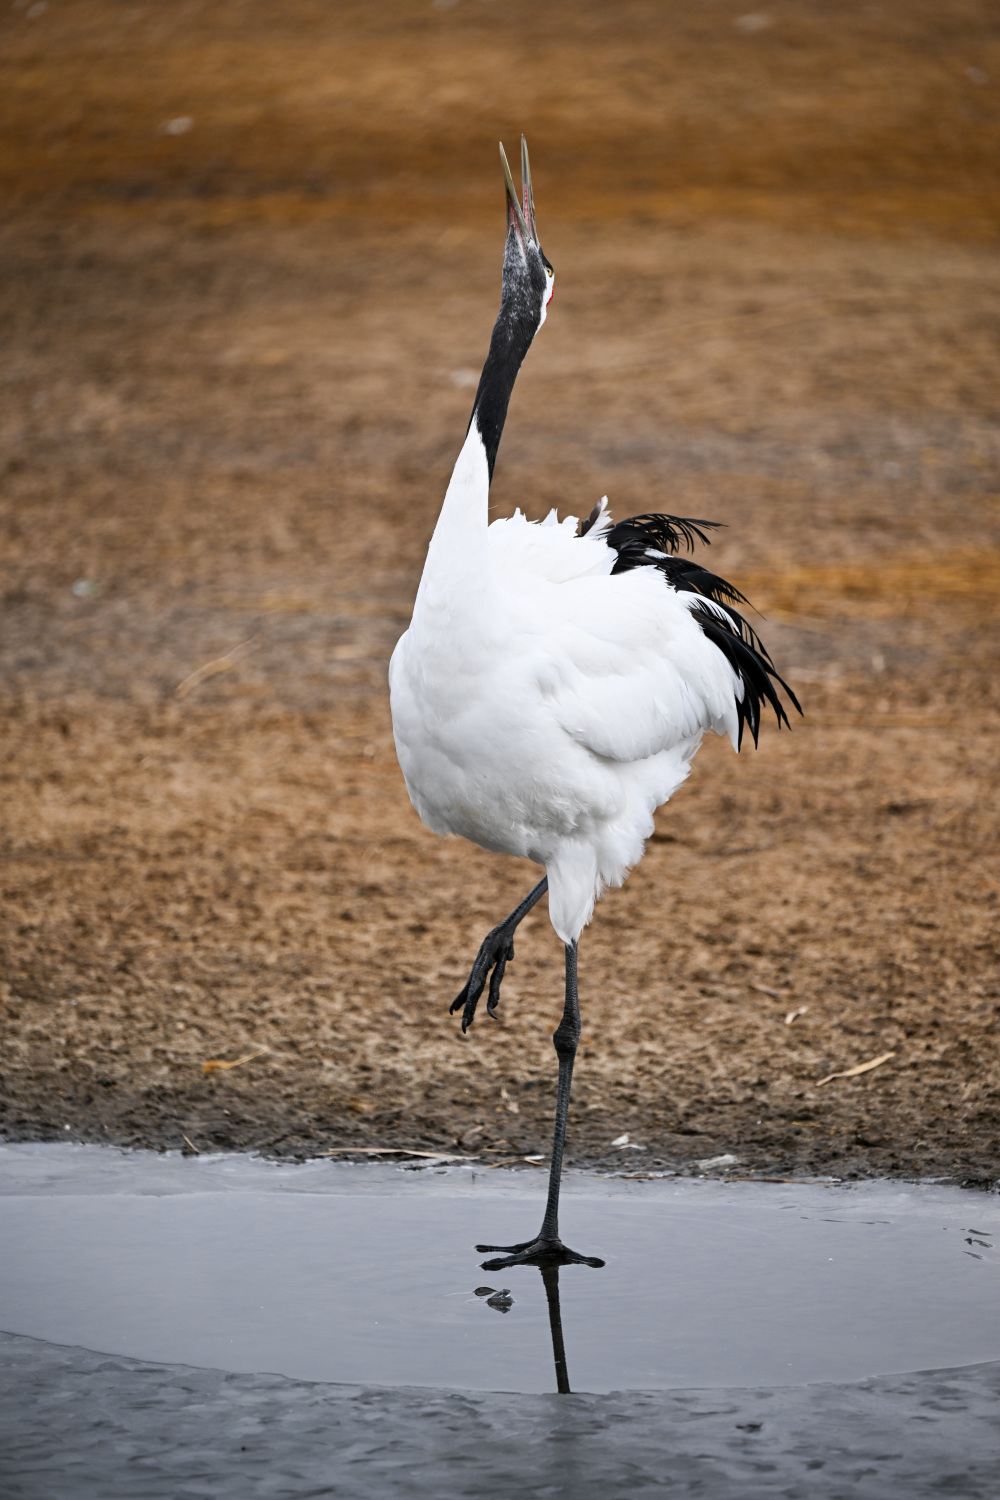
(550, 1278)
(502, 1302)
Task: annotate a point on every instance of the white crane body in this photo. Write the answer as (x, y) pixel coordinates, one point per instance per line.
(542, 706)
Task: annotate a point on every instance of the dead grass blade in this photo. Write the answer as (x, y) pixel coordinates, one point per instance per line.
(224, 663)
(394, 1151)
(511, 1161)
(876, 1062)
(801, 1181)
(216, 1065)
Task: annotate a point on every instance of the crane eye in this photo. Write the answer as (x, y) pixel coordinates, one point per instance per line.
(549, 271)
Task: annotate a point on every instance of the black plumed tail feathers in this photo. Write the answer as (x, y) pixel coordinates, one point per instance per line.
(653, 541)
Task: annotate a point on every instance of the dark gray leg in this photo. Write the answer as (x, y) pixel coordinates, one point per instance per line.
(496, 952)
(565, 1041)
(547, 1248)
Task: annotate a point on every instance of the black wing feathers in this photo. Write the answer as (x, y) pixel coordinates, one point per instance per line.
(662, 533)
(752, 666)
(652, 541)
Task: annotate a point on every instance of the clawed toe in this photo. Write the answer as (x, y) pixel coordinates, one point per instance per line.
(504, 1262)
(506, 1249)
(496, 979)
(495, 954)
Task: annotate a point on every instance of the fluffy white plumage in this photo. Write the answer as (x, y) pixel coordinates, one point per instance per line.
(543, 707)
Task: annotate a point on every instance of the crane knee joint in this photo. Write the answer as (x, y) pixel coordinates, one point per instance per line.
(565, 1039)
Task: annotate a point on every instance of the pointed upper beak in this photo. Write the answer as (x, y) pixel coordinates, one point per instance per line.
(529, 197)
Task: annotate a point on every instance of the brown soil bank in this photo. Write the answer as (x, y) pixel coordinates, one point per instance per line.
(249, 274)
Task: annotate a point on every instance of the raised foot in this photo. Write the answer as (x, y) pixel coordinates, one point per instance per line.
(495, 953)
(537, 1252)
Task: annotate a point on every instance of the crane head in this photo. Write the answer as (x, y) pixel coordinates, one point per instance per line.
(528, 277)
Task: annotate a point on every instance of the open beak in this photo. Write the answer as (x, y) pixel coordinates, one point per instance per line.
(523, 222)
(515, 218)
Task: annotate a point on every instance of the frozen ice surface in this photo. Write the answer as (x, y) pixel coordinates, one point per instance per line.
(281, 1330)
(329, 1272)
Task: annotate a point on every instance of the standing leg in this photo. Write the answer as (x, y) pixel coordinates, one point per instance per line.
(565, 1041)
(547, 1247)
(495, 953)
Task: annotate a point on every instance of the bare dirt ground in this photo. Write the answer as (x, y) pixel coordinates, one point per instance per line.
(250, 264)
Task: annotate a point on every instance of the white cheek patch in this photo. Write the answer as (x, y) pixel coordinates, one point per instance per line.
(547, 299)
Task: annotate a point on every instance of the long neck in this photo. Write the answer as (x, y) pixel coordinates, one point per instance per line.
(458, 556)
(509, 343)
(457, 567)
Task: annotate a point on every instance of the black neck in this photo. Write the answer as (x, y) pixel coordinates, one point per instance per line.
(513, 331)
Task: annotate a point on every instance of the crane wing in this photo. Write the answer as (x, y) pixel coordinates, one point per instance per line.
(638, 648)
(630, 672)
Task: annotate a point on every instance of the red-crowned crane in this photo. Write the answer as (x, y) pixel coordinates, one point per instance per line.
(556, 680)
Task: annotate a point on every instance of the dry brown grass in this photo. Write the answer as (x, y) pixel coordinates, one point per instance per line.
(854, 116)
(966, 579)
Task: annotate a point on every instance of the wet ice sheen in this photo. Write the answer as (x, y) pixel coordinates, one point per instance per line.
(367, 1275)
